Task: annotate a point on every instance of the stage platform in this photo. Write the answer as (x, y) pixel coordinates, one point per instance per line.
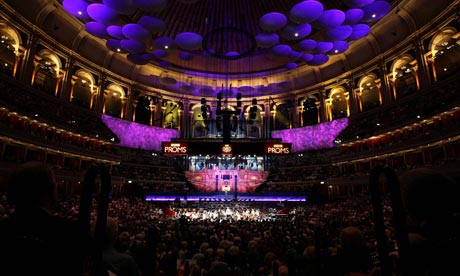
(229, 197)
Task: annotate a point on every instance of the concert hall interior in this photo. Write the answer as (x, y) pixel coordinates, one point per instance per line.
(226, 105)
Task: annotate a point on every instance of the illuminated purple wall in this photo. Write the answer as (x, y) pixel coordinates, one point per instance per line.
(134, 135)
(312, 137)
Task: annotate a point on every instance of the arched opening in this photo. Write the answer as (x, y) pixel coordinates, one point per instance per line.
(445, 53)
(143, 112)
(9, 47)
(113, 97)
(46, 73)
(339, 103)
(404, 77)
(369, 92)
(309, 112)
(83, 89)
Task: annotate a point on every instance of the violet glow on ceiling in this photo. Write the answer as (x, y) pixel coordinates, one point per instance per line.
(312, 137)
(134, 135)
(308, 29)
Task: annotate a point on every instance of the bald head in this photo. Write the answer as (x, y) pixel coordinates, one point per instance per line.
(31, 184)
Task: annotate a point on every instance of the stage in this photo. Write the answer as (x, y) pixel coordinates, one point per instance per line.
(229, 197)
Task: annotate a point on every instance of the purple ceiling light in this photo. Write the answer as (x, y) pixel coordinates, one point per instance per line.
(282, 50)
(306, 11)
(115, 45)
(312, 137)
(97, 29)
(307, 57)
(115, 31)
(291, 65)
(153, 24)
(339, 33)
(318, 59)
(359, 31)
(295, 55)
(160, 53)
(339, 47)
(102, 13)
(324, 46)
(77, 8)
(353, 16)
(189, 41)
(272, 22)
(135, 31)
(267, 40)
(376, 10)
(134, 135)
(307, 44)
(294, 32)
(330, 19)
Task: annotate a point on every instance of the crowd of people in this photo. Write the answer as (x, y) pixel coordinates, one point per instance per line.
(145, 238)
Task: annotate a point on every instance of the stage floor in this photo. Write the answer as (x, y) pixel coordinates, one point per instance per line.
(229, 197)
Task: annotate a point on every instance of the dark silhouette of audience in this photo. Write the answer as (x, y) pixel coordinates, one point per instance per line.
(431, 201)
(33, 241)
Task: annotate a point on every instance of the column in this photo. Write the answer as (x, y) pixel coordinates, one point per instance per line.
(266, 120)
(422, 69)
(385, 89)
(323, 108)
(67, 85)
(29, 65)
(100, 94)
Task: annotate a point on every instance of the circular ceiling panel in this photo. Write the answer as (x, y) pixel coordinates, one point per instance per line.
(267, 40)
(353, 16)
(295, 32)
(291, 65)
(307, 44)
(97, 29)
(330, 19)
(115, 45)
(272, 22)
(339, 47)
(282, 50)
(359, 31)
(102, 13)
(324, 46)
(341, 32)
(306, 11)
(189, 41)
(318, 59)
(135, 31)
(376, 10)
(153, 24)
(115, 31)
(77, 8)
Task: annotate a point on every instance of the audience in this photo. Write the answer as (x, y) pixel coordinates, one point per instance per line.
(144, 238)
(33, 241)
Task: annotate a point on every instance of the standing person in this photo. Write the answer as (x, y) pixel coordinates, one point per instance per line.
(33, 241)
(431, 202)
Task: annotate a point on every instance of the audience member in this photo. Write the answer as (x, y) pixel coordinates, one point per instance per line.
(33, 241)
(431, 201)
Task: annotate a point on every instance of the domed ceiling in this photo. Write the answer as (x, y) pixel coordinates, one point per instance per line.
(238, 36)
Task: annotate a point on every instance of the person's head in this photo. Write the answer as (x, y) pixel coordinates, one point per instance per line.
(32, 185)
(352, 238)
(428, 195)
